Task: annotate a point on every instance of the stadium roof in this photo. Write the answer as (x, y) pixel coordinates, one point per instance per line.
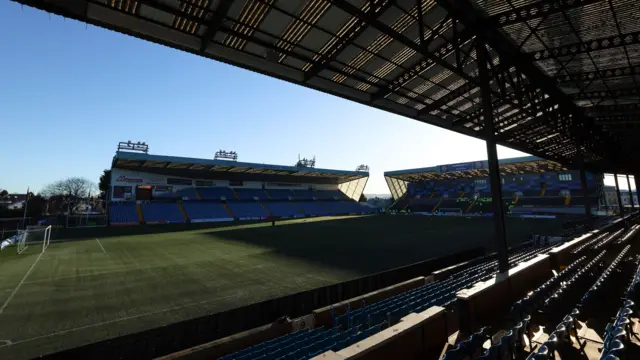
(562, 77)
(519, 165)
(207, 168)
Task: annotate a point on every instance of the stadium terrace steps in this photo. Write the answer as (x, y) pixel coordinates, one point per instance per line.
(184, 213)
(139, 212)
(226, 207)
(265, 208)
(234, 194)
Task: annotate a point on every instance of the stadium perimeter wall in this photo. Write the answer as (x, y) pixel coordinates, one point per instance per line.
(194, 332)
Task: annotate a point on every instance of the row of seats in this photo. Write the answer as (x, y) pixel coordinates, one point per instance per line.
(169, 212)
(379, 315)
(441, 293)
(548, 303)
(123, 213)
(613, 346)
(304, 344)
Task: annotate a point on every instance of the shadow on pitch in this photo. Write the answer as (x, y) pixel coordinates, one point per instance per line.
(376, 243)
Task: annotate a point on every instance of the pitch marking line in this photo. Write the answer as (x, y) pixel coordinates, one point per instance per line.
(4, 306)
(101, 247)
(10, 343)
(6, 342)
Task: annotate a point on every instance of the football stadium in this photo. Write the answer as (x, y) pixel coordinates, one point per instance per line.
(520, 258)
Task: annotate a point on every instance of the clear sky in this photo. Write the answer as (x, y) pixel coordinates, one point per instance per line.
(69, 92)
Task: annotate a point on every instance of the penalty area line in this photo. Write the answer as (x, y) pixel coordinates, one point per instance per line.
(101, 247)
(13, 293)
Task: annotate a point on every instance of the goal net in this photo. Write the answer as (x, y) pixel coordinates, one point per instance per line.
(35, 236)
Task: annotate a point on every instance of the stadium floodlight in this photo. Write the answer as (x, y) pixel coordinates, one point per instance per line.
(306, 163)
(133, 146)
(226, 155)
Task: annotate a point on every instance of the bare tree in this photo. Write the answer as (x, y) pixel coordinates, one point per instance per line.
(71, 190)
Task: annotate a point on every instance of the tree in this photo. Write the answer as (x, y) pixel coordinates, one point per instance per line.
(3, 193)
(105, 181)
(72, 190)
(36, 205)
(363, 198)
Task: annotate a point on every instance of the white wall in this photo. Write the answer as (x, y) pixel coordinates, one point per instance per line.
(120, 177)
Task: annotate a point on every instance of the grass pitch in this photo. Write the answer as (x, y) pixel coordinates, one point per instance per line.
(79, 292)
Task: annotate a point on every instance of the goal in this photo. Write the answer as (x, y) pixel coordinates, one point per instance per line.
(33, 235)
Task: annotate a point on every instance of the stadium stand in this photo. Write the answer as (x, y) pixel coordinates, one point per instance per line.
(530, 186)
(241, 191)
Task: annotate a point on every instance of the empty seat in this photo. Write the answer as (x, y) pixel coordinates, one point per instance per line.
(280, 194)
(217, 193)
(251, 194)
(123, 213)
(162, 213)
(205, 211)
(313, 208)
(247, 210)
(283, 209)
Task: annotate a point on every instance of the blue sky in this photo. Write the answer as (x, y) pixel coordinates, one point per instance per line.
(71, 91)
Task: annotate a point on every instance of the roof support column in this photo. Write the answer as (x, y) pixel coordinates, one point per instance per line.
(492, 154)
(620, 206)
(635, 179)
(633, 205)
(585, 194)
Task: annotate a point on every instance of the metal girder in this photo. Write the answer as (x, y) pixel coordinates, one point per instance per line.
(376, 8)
(595, 75)
(524, 13)
(268, 45)
(536, 10)
(612, 94)
(420, 66)
(608, 42)
(214, 23)
(387, 30)
(449, 97)
(466, 13)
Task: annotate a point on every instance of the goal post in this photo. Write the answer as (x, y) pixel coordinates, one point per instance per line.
(36, 234)
(21, 244)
